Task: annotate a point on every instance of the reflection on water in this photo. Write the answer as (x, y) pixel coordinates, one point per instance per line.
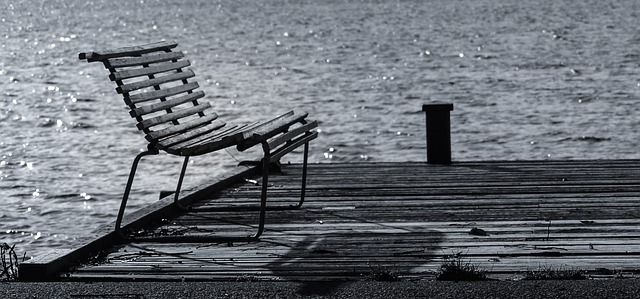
(529, 80)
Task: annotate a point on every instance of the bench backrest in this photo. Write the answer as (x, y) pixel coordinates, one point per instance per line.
(155, 83)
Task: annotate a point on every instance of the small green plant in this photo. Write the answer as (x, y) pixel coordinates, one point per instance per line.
(560, 273)
(454, 268)
(9, 263)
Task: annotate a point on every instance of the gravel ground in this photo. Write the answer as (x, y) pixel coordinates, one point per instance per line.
(626, 288)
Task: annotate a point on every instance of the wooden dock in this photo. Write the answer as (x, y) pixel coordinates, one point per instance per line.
(362, 220)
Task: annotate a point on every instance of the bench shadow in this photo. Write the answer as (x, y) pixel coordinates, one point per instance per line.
(325, 263)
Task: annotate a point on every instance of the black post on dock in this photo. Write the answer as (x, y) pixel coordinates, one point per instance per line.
(438, 132)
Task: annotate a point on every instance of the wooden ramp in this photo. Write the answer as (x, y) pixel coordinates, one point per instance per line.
(363, 220)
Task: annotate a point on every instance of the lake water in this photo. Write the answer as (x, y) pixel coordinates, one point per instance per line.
(548, 79)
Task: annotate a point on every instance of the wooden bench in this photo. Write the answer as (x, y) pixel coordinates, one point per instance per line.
(159, 89)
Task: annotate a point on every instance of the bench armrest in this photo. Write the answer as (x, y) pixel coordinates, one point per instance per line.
(268, 129)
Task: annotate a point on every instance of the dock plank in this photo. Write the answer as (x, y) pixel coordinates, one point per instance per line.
(401, 217)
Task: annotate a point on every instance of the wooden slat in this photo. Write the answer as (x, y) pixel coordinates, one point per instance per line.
(181, 143)
(269, 129)
(272, 125)
(287, 148)
(158, 94)
(194, 134)
(127, 51)
(155, 81)
(168, 104)
(209, 143)
(150, 70)
(144, 60)
(181, 128)
(291, 134)
(174, 115)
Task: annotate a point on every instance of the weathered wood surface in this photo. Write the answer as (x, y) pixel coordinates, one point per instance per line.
(405, 218)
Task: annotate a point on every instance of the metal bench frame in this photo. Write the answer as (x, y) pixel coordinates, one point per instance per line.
(154, 66)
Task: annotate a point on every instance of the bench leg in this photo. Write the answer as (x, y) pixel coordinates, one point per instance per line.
(304, 174)
(266, 161)
(177, 193)
(127, 189)
(263, 195)
(215, 239)
(265, 184)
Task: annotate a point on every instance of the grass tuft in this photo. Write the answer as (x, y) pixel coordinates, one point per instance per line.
(454, 268)
(380, 273)
(560, 273)
(8, 263)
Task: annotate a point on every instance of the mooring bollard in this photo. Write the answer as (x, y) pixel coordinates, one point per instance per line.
(438, 132)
